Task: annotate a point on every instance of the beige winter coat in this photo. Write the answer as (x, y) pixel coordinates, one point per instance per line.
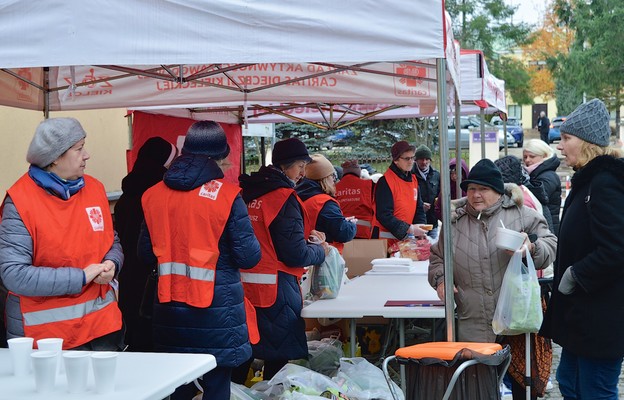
(479, 266)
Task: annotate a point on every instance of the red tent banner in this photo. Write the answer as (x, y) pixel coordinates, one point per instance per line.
(173, 130)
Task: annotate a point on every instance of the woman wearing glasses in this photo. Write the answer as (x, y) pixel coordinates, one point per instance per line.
(399, 209)
(317, 191)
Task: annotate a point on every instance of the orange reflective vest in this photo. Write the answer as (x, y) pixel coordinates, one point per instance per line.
(405, 196)
(76, 232)
(185, 228)
(260, 282)
(355, 196)
(313, 207)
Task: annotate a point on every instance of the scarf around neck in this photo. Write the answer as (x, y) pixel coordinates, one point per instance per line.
(52, 183)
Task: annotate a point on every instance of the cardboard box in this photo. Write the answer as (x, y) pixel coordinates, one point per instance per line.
(359, 253)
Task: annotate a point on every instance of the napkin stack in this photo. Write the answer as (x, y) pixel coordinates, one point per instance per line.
(396, 265)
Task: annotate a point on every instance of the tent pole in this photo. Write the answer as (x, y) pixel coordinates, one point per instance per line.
(458, 152)
(482, 128)
(449, 305)
(46, 92)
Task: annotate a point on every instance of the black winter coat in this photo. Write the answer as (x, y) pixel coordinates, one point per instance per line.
(429, 190)
(282, 330)
(221, 329)
(590, 321)
(330, 219)
(546, 176)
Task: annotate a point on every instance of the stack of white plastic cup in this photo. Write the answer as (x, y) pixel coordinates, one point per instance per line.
(20, 349)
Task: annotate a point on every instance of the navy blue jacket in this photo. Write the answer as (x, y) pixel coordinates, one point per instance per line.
(589, 322)
(282, 330)
(220, 329)
(385, 207)
(429, 190)
(330, 219)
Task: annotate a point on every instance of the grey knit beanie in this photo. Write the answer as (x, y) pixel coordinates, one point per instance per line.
(53, 137)
(589, 122)
(207, 138)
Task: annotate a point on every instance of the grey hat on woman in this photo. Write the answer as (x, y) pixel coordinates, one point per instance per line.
(589, 122)
(53, 137)
(207, 138)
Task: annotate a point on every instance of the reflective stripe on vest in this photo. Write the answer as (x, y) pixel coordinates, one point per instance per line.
(262, 279)
(175, 268)
(68, 312)
(363, 223)
(386, 235)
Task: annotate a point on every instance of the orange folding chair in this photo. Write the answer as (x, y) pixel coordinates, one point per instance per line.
(435, 369)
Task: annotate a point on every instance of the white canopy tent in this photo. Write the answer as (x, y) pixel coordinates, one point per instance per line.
(87, 55)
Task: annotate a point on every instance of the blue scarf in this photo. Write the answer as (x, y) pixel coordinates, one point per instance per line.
(52, 183)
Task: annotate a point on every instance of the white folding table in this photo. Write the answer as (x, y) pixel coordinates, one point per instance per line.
(151, 376)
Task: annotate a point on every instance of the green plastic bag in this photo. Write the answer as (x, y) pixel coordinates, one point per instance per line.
(519, 307)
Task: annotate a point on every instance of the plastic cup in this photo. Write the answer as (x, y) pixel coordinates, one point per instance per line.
(52, 344)
(508, 239)
(77, 370)
(44, 365)
(20, 349)
(104, 371)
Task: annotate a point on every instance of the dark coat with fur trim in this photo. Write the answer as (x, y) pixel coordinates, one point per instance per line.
(590, 321)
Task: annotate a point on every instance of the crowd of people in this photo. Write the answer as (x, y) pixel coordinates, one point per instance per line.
(229, 257)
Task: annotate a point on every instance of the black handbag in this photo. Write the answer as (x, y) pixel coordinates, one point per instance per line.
(147, 301)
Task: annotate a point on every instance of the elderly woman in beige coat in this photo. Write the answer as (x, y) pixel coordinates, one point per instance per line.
(479, 266)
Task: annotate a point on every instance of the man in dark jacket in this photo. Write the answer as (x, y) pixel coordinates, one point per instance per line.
(200, 227)
(543, 126)
(428, 185)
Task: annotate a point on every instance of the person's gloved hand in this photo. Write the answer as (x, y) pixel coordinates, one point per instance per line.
(567, 284)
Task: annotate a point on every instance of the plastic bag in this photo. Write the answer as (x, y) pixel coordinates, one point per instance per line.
(325, 355)
(326, 278)
(416, 249)
(297, 382)
(519, 307)
(359, 379)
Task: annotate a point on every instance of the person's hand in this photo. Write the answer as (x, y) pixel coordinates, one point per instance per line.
(441, 292)
(317, 236)
(567, 284)
(526, 242)
(93, 271)
(325, 246)
(107, 274)
(426, 206)
(416, 230)
(352, 219)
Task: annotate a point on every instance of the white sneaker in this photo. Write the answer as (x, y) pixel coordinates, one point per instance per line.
(549, 385)
(505, 392)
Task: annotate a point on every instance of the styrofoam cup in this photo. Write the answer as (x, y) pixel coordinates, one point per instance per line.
(20, 349)
(44, 365)
(508, 239)
(104, 370)
(77, 370)
(52, 344)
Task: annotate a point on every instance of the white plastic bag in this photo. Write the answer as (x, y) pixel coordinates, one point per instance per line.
(519, 307)
(326, 278)
(359, 379)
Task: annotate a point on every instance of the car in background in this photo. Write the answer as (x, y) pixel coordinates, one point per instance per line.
(514, 126)
(474, 123)
(554, 133)
(341, 137)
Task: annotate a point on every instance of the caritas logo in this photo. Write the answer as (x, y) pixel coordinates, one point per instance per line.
(417, 72)
(95, 218)
(210, 190)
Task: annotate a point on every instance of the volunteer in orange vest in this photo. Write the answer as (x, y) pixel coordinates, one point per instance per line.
(199, 236)
(399, 208)
(277, 216)
(355, 196)
(317, 191)
(59, 253)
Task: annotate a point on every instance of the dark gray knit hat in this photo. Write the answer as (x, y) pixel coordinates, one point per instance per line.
(52, 138)
(589, 122)
(207, 138)
(288, 151)
(423, 152)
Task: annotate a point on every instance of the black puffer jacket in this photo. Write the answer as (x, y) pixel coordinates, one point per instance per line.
(221, 329)
(590, 321)
(282, 330)
(545, 175)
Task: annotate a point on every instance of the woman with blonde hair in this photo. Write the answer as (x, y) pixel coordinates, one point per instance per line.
(585, 315)
(541, 163)
(318, 191)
